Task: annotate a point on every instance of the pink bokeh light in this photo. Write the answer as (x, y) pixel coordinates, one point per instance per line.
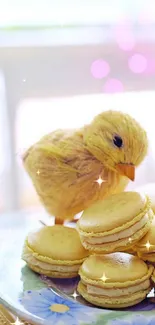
(124, 37)
(137, 63)
(100, 69)
(113, 86)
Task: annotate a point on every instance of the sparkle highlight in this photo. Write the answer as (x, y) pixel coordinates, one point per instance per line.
(100, 181)
(17, 322)
(148, 245)
(75, 295)
(104, 278)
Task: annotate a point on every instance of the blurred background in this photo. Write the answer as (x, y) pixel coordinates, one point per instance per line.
(61, 63)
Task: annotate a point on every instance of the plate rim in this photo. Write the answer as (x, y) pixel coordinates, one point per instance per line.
(26, 315)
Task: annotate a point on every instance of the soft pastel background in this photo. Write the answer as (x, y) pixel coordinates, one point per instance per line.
(62, 62)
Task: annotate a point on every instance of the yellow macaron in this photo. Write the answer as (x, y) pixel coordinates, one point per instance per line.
(153, 278)
(149, 190)
(145, 248)
(116, 223)
(55, 251)
(116, 280)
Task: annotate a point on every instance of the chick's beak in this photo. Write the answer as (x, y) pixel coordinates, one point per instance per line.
(126, 170)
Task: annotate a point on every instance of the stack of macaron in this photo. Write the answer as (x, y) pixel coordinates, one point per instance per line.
(145, 248)
(107, 249)
(110, 229)
(115, 224)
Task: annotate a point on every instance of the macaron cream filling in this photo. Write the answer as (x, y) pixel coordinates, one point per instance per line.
(113, 302)
(117, 292)
(27, 256)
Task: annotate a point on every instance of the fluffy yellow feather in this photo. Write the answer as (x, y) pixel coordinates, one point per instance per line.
(65, 164)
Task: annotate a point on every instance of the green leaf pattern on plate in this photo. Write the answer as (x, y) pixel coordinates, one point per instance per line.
(30, 280)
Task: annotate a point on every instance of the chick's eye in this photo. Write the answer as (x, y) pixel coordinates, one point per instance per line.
(118, 142)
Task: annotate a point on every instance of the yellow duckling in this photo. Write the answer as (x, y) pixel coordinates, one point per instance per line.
(71, 169)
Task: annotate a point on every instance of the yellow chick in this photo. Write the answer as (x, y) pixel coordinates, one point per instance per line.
(71, 169)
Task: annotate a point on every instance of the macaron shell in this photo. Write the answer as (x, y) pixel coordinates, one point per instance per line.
(57, 243)
(153, 278)
(119, 268)
(149, 190)
(119, 209)
(130, 251)
(118, 245)
(147, 257)
(52, 274)
(28, 251)
(113, 303)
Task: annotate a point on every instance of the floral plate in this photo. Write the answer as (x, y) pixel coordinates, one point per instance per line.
(41, 300)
